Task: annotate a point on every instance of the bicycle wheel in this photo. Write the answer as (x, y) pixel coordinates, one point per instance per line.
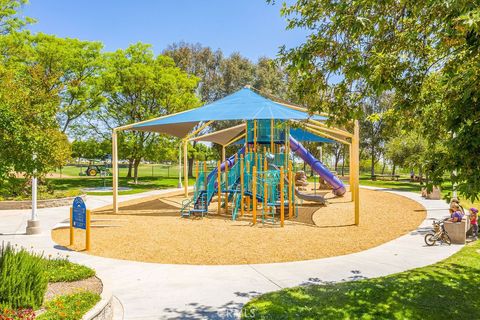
(430, 239)
(446, 239)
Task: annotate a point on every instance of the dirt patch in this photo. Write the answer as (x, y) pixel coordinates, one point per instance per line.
(153, 231)
(92, 284)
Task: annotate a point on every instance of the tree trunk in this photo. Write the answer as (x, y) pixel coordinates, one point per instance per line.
(190, 162)
(343, 161)
(130, 166)
(384, 165)
(136, 163)
(372, 169)
(393, 169)
(420, 173)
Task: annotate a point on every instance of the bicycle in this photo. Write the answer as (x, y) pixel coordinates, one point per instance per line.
(439, 234)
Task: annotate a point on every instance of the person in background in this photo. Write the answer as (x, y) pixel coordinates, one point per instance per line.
(456, 214)
(474, 222)
(455, 201)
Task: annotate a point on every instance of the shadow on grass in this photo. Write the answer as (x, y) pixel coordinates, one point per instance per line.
(446, 290)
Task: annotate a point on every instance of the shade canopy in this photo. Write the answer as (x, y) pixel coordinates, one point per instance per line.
(302, 135)
(244, 104)
(222, 136)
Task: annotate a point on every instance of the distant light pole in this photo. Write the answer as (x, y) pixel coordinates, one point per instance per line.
(33, 225)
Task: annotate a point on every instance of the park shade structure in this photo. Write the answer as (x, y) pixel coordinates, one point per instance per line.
(265, 123)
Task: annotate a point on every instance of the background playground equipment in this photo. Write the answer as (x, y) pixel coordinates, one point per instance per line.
(266, 133)
(93, 169)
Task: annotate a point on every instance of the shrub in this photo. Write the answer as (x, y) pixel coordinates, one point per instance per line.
(23, 281)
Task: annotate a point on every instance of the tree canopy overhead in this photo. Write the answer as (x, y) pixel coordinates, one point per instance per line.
(426, 53)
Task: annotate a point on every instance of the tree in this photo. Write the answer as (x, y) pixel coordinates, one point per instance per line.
(91, 148)
(9, 20)
(30, 139)
(376, 127)
(77, 65)
(270, 78)
(202, 62)
(408, 149)
(364, 48)
(137, 86)
(27, 123)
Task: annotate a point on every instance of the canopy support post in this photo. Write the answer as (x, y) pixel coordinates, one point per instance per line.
(115, 171)
(185, 166)
(272, 123)
(350, 172)
(179, 166)
(356, 176)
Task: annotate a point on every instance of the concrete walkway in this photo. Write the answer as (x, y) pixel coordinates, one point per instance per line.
(158, 291)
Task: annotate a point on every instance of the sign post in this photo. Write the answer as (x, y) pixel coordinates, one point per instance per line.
(80, 219)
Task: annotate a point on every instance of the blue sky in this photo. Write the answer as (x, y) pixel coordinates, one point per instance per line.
(251, 27)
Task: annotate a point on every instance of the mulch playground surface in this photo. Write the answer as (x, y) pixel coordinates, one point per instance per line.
(151, 230)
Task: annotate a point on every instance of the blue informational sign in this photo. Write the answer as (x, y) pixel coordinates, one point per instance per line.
(79, 213)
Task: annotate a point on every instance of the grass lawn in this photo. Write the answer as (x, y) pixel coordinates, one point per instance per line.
(144, 170)
(145, 184)
(403, 185)
(445, 290)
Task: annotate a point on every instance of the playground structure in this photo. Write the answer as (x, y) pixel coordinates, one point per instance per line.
(259, 178)
(260, 174)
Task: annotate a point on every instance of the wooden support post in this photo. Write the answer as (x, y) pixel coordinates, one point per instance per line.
(272, 133)
(356, 177)
(242, 187)
(87, 231)
(282, 200)
(115, 171)
(290, 193)
(285, 144)
(247, 165)
(254, 194)
(72, 233)
(185, 166)
(223, 154)
(351, 172)
(226, 187)
(219, 185)
(254, 135)
(265, 193)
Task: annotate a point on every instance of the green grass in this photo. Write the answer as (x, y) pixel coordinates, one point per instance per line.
(59, 270)
(69, 307)
(445, 290)
(404, 185)
(145, 184)
(144, 170)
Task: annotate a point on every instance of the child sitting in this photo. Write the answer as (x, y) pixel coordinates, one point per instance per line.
(456, 214)
(474, 222)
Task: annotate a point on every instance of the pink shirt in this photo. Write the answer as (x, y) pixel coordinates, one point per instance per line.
(473, 218)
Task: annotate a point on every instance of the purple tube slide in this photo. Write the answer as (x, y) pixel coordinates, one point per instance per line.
(318, 167)
(230, 162)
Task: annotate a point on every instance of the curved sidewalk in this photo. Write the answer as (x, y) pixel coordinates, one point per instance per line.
(159, 291)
